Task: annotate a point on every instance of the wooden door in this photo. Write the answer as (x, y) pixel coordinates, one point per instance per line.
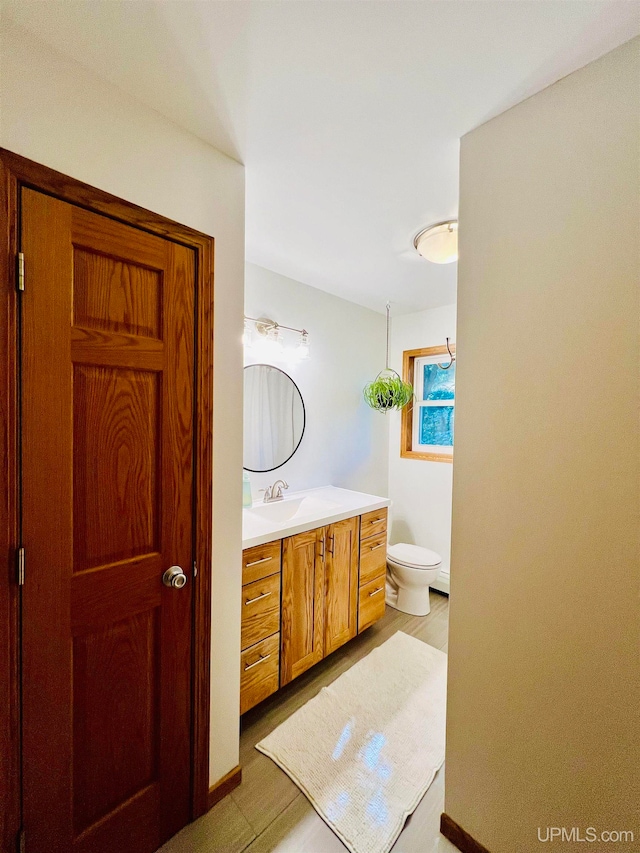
(107, 466)
(302, 623)
(341, 584)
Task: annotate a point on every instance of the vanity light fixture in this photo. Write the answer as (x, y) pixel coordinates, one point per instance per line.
(438, 243)
(269, 339)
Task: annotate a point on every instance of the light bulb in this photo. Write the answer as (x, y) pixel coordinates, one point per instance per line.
(274, 339)
(302, 350)
(247, 336)
(268, 347)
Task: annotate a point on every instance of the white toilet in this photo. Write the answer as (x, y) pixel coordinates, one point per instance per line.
(410, 570)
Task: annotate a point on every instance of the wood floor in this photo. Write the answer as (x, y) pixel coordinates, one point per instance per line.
(267, 813)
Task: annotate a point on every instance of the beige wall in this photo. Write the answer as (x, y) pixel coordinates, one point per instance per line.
(55, 112)
(543, 726)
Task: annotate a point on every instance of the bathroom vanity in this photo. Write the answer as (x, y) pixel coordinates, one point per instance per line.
(313, 576)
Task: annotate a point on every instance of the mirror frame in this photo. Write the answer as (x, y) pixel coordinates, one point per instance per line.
(304, 418)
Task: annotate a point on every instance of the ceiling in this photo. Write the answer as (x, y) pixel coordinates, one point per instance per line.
(347, 115)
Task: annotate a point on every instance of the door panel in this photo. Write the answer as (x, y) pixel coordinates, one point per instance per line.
(107, 388)
(302, 603)
(109, 764)
(116, 296)
(341, 584)
(116, 496)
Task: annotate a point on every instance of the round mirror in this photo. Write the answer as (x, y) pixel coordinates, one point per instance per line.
(274, 417)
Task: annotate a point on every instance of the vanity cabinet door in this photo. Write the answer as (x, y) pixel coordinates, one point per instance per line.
(302, 623)
(341, 583)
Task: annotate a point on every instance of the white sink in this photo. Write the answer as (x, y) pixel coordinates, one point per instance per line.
(292, 508)
(302, 511)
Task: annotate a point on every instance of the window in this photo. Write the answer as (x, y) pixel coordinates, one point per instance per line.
(428, 422)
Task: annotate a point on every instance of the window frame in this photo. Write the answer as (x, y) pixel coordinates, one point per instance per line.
(409, 358)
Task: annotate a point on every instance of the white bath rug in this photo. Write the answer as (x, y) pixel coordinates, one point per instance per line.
(366, 748)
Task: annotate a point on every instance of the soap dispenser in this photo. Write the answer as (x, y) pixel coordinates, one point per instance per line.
(246, 491)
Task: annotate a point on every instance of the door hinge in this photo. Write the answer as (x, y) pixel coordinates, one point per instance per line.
(20, 561)
(21, 845)
(20, 270)
(195, 570)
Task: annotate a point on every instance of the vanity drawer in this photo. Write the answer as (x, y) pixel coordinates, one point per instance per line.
(371, 603)
(372, 523)
(261, 561)
(260, 610)
(259, 672)
(373, 557)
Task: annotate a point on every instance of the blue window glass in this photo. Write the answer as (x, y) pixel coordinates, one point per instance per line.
(438, 384)
(436, 425)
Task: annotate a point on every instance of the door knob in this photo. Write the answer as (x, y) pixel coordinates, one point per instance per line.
(174, 577)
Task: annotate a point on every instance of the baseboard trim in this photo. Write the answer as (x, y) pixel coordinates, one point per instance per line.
(458, 836)
(441, 583)
(224, 786)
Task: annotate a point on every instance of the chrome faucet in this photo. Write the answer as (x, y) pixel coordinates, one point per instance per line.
(274, 493)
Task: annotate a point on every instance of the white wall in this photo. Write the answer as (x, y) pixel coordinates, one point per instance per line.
(544, 673)
(420, 490)
(55, 112)
(345, 442)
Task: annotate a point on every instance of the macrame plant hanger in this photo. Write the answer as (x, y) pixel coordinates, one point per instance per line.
(388, 391)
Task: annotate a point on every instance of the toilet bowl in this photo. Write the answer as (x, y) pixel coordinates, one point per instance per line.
(410, 570)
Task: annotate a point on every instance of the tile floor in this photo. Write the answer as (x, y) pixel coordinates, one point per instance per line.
(267, 813)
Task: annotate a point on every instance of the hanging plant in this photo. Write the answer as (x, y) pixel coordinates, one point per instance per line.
(388, 390)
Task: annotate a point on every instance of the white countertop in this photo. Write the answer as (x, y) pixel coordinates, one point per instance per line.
(306, 510)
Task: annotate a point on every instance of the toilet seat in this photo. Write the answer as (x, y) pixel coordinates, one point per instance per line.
(413, 556)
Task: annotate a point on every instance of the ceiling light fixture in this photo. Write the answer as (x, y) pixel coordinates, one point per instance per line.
(438, 243)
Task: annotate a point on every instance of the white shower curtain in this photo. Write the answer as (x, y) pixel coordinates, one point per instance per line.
(272, 417)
